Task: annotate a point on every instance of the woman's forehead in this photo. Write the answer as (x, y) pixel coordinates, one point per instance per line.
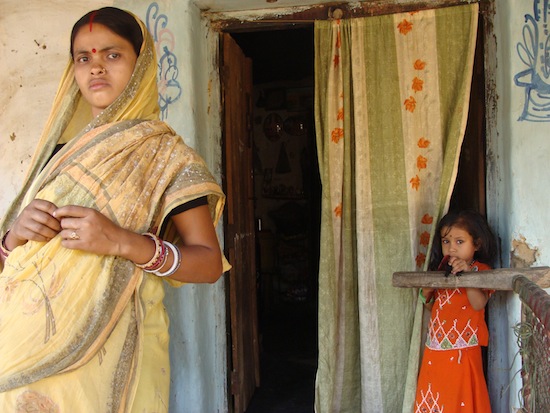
(99, 37)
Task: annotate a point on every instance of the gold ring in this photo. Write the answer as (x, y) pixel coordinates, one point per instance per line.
(74, 235)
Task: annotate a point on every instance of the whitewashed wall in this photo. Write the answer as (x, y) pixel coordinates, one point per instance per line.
(518, 183)
(34, 48)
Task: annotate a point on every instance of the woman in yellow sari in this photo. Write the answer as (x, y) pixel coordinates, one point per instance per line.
(96, 228)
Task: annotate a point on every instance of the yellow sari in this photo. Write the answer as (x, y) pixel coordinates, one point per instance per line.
(87, 333)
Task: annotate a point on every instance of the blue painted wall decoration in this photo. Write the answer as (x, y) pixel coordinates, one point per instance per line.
(534, 52)
(168, 86)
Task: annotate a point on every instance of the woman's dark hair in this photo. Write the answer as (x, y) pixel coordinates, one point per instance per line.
(116, 20)
(473, 223)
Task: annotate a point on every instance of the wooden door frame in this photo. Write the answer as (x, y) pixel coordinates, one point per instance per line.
(240, 245)
(304, 17)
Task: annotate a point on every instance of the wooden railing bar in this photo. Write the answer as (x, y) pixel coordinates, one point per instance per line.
(496, 279)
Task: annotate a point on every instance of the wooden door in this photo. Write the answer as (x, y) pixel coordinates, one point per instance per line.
(240, 223)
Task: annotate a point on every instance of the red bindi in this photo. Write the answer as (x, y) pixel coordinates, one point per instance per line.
(94, 50)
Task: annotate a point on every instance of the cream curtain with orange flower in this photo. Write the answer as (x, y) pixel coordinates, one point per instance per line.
(391, 105)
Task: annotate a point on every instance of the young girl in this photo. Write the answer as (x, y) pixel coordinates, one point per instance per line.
(451, 377)
(99, 226)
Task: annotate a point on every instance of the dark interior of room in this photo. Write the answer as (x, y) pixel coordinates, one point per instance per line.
(287, 208)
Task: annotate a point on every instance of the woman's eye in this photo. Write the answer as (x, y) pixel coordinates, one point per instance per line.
(113, 55)
(82, 59)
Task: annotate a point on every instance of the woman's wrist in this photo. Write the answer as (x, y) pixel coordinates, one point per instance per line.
(165, 256)
(157, 259)
(133, 246)
(4, 250)
(10, 241)
(176, 261)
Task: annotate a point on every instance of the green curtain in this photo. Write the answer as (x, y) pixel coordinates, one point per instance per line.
(391, 104)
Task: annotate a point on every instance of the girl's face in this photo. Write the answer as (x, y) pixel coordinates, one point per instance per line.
(103, 65)
(457, 242)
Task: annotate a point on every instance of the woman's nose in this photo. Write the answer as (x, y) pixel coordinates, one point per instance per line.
(98, 70)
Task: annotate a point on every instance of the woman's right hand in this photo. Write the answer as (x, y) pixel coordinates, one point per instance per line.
(35, 223)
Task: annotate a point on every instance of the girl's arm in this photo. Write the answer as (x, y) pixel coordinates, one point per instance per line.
(428, 294)
(478, 298)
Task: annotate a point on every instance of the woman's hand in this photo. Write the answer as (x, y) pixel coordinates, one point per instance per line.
(35, 223)
(88, 230)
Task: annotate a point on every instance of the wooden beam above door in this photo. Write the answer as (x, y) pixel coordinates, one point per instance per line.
(283, 18)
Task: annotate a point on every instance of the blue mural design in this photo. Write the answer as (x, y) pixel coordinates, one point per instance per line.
(168, 85)
(534, 52)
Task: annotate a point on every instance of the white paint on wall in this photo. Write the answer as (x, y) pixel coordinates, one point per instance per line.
(34, 48)
(524, 145)
(518, 175)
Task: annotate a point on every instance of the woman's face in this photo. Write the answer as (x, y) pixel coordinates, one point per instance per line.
(104, 63)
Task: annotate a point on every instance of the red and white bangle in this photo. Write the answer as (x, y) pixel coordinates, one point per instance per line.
(159, 257)
(175, 264)
(4, 251)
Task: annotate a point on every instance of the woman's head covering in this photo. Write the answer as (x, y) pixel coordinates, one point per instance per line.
(71, 115)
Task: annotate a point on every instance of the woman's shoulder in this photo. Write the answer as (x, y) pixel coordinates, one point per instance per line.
(186, 151)
(157, 125)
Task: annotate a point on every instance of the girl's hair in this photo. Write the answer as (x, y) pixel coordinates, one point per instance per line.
(473, 223)
(116, 20)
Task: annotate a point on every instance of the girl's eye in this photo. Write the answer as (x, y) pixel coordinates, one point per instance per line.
(459, 241)
(444, 241)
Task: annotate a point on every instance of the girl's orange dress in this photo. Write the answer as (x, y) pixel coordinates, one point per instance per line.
(451, 377)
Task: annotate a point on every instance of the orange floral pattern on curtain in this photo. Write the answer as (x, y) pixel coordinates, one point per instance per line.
(337, 133)
(395, 163)
(417, 87)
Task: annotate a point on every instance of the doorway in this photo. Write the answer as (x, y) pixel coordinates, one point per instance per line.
(287, 199)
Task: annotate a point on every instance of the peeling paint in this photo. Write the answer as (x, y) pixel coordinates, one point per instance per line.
(522, 255)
